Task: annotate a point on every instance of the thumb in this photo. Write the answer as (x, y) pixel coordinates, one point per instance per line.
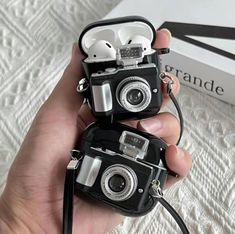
(64, 97)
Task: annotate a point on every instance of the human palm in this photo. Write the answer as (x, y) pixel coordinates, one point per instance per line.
(33, 197)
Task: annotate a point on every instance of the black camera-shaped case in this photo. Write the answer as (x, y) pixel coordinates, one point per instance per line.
(122, 69)
(117, 176)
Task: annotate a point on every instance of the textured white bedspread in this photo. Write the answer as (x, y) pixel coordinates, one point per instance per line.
(36, 37)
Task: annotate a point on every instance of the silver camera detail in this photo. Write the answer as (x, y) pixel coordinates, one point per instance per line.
(134, 94)
(133, 145)
(102, 97)
(89, 171)
(118, 182)
(129, 55)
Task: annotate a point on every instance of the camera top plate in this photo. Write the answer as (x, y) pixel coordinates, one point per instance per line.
(116, 31)
(108, 136)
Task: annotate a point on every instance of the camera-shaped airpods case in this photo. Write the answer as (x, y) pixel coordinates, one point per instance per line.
(119, 166)
(122, 68)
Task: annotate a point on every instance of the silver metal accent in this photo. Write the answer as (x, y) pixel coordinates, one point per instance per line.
(130, 149)
(102, 98)
(83, 85)
(128, 68)
(159, 166)
(130, 83)
(131, 54)
(89, 171)
(127, 173)
(111, 153)
(110, 69)
(166, 78)
(156, 190)
(73, 164)
(140, 190)
(155, 90)
(106, 151)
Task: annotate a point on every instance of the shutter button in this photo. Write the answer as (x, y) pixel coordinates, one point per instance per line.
(110, 69)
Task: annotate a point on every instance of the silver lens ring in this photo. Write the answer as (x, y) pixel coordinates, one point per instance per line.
(130, 182)
(133, 83)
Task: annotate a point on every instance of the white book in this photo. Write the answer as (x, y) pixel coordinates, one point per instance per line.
(203, 40)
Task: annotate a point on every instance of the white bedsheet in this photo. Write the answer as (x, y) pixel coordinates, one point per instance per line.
(36, 37)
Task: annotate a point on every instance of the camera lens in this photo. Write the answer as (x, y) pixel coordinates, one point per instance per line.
(134, 96)
(117, 183)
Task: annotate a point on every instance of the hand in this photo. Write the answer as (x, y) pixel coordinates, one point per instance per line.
(32, 201)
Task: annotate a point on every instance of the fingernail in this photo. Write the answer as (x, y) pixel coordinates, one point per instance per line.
(178, 152)
(151, 125)
(165, 30)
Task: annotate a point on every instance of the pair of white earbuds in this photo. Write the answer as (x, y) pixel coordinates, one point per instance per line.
(103, 50)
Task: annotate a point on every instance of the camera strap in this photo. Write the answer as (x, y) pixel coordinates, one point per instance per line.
(156, 193)
(69, 184)
(167, 79)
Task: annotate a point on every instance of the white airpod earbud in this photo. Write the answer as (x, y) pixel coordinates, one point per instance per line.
(101, 51)
(145, 42)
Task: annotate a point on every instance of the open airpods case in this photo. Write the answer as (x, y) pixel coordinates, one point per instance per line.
(99, 40)
(122, 68)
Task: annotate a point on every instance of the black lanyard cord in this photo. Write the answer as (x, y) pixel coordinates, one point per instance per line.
(68, 196)
(175, 215)
(167, 79)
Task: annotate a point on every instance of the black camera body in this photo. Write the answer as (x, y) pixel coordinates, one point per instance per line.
(122, 68)
(118, 167)
(126, 92)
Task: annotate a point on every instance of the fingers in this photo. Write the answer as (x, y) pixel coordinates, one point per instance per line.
(163, 125)
(85, 117)
(163, 41)
(163, 38)
(64, 98)
(166, 126)
(178, 161)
